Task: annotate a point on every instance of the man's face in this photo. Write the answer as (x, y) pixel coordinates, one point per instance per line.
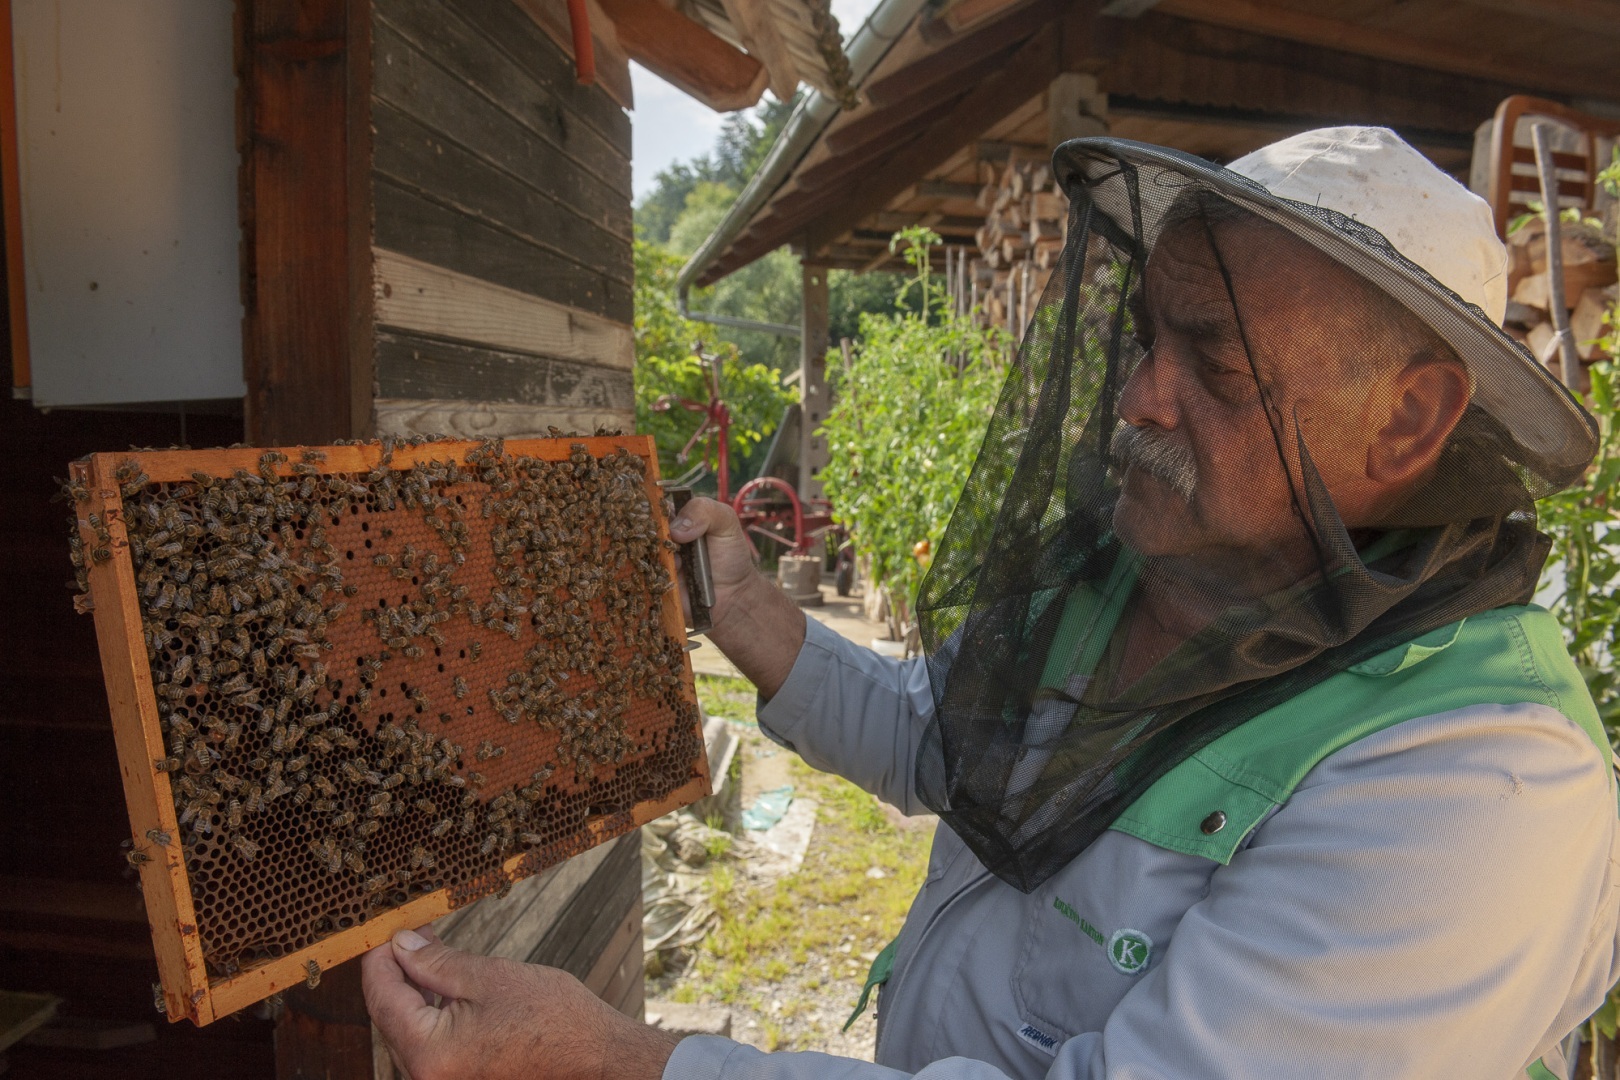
(1204, 473)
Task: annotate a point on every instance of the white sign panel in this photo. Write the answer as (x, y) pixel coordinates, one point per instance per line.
(128, 166)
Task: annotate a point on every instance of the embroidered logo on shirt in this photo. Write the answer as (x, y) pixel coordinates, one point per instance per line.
(1129, 951)
(1068, 912)
(1039, 1039)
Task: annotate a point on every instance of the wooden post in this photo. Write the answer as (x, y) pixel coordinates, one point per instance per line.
(16, 298)
(305, 190)
(325, 1033)
(813, 396)
(1569, 360)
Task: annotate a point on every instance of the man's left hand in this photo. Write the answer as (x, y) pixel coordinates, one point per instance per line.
(496, 1018)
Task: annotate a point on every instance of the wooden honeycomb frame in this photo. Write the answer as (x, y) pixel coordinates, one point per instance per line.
(187, 988)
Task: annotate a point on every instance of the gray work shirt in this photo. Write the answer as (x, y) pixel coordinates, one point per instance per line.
(1438, 899)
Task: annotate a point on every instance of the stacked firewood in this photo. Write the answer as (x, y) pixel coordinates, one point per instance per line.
(1589, 290)
(1026, 216)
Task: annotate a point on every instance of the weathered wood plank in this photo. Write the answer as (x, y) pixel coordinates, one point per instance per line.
(541, 102)
(478, 924)
(414, 295)
(626, 990)
(580, 932)
(511, 30)
(555, 161)
(433, 233)
(612, 63)
(411, 366)
(488, 419)
(626, 940)
(416, 157)
(509, 926)
(634, 1002)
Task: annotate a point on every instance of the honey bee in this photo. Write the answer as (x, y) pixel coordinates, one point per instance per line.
(354, 862)
(442, 826)
(312, 974)
(327, 853)
(245, 847)
(475, 649)
(233, 813)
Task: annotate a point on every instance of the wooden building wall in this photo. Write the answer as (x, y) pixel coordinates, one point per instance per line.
(436, 238)
(502, 236)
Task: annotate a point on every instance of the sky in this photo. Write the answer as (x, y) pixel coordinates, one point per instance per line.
(668, 126)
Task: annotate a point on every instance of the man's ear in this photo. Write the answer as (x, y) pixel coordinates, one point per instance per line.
(1426, 400)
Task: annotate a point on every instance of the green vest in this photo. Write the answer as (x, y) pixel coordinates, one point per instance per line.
(1210, 802)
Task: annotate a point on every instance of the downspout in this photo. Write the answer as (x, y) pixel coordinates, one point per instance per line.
(809, 119)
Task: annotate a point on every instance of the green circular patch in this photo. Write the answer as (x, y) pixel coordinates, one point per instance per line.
(1129, 951)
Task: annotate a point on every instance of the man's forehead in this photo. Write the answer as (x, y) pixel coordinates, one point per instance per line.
(1197, 270)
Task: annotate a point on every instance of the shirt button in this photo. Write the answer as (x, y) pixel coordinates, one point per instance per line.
(1214, 823)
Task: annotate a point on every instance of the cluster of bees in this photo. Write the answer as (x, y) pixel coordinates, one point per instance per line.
(272, 655)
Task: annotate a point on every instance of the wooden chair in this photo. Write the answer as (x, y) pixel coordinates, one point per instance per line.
(1510, 192)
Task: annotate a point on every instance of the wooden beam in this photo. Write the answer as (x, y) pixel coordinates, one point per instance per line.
(16, 283)
(758, 29)
(414, 295)
(901, 111)
(858, 157)
(325, 1032)
(686, 54)
(1330, 33)
(1594, 16)
(305, 188)
(944, 65)
(947, 189)
(813, 390)
(1025, 74)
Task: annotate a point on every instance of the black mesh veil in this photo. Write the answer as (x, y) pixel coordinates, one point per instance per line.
(1244, 445)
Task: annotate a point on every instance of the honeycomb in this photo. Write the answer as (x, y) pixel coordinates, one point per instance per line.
(374, 685)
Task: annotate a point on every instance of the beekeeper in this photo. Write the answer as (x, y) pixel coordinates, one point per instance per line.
(1251, 755)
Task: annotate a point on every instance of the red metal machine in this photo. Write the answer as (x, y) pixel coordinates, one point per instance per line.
(767, 506)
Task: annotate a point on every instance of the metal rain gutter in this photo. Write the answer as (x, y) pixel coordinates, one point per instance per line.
(809, 119)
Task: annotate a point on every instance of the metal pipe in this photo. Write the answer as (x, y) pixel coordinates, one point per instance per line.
(808, 120)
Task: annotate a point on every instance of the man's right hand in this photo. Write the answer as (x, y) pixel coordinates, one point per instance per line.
(731, 556)
(755, 624)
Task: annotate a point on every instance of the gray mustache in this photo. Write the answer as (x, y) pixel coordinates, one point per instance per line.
(1156, 454)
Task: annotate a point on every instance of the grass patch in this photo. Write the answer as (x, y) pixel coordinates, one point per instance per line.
(731, 698)
(832, 911)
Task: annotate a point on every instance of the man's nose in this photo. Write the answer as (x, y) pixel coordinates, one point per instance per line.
(1145, 400)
